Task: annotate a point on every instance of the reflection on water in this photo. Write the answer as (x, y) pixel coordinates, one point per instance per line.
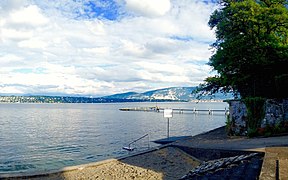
(39, 137)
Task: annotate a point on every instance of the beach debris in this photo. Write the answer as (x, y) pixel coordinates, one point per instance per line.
(213, 165)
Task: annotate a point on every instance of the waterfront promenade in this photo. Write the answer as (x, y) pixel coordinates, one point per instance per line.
(175, 160)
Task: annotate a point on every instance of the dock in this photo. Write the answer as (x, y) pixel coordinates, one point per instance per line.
(155, 109)
(175, 110)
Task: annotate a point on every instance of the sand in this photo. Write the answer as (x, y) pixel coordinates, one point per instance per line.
(164, 163)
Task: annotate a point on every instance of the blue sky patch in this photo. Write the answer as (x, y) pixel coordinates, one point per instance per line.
(210, 1)
(23, 70)
(102, 9)
(30, 70)
(182, 38)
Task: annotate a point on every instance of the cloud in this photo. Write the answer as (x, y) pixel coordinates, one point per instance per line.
(33, 43)
(149, 8)
(30, 15)
(10, 33)
(8, 5)
(69, 48)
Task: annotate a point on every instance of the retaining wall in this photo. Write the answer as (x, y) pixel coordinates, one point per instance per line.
(276, 111)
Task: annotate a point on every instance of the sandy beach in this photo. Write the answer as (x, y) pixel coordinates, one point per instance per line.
(165, 163)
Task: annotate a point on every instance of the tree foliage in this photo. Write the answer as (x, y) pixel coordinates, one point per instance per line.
(251, 50)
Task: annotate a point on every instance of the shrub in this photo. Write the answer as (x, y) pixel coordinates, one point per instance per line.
(252, 132)
(228, 126)
(255, 111)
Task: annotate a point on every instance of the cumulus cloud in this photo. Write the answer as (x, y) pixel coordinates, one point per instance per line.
(9, 5)
(149, 8)
(30, 15)
(50, 47)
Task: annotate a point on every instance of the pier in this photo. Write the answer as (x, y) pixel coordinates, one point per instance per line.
(175, 110)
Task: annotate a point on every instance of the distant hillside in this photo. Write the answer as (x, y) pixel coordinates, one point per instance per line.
(160, 95)
(126, 95)
(171, 94)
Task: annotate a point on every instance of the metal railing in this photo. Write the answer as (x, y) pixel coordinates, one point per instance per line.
(129, 148)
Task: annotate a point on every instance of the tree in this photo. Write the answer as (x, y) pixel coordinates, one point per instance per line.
(251, 48)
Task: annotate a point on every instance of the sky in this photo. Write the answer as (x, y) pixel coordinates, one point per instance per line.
(102, 47)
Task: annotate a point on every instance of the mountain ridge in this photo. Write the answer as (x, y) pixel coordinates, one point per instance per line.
(171, 93)
(176, 94)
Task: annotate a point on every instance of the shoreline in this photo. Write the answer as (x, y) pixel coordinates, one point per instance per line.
(165, 161)
(123, 166)
(96, 163)
(44, 174)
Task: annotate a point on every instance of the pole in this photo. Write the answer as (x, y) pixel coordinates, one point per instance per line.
(168, 128)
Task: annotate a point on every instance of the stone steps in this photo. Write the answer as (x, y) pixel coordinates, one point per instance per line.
(269, 170)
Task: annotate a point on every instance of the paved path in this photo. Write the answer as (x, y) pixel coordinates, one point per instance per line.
(217, 139)
(269, 170)
(275, 148)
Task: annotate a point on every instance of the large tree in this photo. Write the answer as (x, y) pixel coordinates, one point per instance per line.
(251, 50)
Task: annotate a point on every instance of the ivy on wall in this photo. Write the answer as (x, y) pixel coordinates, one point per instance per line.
(255, 113)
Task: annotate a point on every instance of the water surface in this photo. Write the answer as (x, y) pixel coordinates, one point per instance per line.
(40, 137)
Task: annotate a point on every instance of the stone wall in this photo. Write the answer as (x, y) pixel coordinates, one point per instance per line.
(273, 112)
(276, 111)
(237, 118)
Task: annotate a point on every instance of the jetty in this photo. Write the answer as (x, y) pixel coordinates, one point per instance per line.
(156, 109)
(175, 110)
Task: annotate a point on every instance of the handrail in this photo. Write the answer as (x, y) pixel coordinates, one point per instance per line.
(137, 139)
(131, 149)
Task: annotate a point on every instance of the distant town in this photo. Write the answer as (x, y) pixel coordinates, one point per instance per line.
(56, 99)
(66, 99)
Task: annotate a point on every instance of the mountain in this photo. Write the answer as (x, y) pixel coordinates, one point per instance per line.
(126, 95)
(169, 94)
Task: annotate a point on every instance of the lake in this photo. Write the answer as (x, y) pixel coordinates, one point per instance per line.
(41, 137)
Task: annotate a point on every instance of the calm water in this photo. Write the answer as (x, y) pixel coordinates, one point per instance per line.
(39, 137)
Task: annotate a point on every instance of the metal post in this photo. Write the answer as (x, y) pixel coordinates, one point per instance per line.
(168, 113)
(168, 128)
(277, 170)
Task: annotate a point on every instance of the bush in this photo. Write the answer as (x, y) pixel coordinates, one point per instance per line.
(255, 111)
(252, 132)
(228, 126)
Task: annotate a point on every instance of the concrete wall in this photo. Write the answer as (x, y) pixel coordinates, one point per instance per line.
(276, 111)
